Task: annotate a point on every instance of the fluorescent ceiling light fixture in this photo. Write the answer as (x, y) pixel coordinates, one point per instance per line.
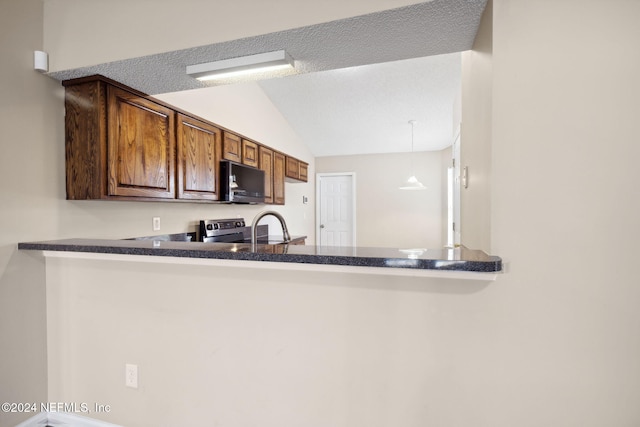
(242, 65)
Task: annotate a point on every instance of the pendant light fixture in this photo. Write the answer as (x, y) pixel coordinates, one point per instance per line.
(412, 182)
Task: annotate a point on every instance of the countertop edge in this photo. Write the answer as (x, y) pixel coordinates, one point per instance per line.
(279, 254)
(285, 266)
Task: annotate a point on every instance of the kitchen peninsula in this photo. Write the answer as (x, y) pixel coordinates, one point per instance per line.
(230, 309)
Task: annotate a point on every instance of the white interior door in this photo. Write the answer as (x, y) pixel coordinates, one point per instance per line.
(335, 219)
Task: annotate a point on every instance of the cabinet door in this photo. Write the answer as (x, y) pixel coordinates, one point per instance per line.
(140, 147)
(293, 168)
(304, 169)
(266, 164)
(249, 153)
(198, 158)
(278, 178)
(232, 147)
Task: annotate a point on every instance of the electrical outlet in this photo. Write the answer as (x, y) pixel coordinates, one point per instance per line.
(156, 223)
(131, 375)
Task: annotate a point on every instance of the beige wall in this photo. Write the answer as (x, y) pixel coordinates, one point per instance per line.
(553, 342)
(560, 333)
(247, 347)
(385, 215)
(29, 184)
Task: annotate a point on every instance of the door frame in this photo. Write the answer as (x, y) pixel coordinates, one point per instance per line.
(454, 226)
(319, 177)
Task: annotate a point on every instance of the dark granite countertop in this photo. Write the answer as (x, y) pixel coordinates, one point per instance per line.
(459, 259)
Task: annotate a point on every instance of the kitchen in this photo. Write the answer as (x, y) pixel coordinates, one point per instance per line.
(127, 154)
(552, 342)
(214, 134)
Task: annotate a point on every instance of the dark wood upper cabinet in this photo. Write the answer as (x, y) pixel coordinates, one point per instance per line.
(249, 153)
(122, 144)
(304, 171)
(292, 168)
(296, 170)
(232, 147)
(118, 143)
(141, 146)
(198, 157)
(265, 157)
(273, 165)
(278, 178)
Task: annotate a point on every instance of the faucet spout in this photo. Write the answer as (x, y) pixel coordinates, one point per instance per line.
(254, 227)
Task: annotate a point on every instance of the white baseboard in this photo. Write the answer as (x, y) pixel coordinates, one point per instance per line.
(63, 419)
(37, 420)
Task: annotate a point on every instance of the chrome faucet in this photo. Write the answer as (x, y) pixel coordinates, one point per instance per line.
(254, 227)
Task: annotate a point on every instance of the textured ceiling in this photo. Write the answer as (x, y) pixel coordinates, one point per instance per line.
(366, 109)
(410, 88)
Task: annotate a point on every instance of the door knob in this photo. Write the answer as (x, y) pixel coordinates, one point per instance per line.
(321, 225)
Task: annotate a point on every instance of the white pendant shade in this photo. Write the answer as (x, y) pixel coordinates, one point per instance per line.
(412, 182)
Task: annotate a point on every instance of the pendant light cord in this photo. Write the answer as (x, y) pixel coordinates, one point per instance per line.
(413, 168)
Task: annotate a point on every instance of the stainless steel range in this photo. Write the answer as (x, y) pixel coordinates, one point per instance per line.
(232, 230)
